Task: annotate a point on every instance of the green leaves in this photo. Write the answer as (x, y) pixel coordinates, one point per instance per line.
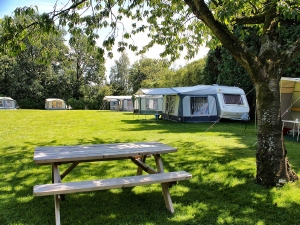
(289, 9)
(109, 43)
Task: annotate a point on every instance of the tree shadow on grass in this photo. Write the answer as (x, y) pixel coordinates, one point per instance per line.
(177, 127)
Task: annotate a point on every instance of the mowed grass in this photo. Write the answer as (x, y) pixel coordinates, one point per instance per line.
(221, 158)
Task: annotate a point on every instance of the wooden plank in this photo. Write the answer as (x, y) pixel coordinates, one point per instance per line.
(143, 166)
(94, 185)
(66, 154)
(296, 109)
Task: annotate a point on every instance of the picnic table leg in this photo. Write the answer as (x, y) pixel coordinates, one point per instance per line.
(57, 198)
(57, 209)
(139, 169)
(165, 186)
(56, 178)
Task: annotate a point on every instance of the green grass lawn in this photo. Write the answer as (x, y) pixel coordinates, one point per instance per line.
(221, 158)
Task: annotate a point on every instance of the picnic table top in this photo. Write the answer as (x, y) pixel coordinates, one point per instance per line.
(82, 153)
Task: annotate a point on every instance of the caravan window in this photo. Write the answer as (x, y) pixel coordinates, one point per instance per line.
(152, 104)
(1, 104)
(170, 103)
(199, 106)
(233, 99)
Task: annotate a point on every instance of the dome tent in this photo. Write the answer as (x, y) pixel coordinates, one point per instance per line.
(55, 104)
(8, 103)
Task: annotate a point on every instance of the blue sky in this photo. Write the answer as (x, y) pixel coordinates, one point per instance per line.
(8, 6)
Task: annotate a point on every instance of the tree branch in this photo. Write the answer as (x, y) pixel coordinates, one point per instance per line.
(238, 49)
(68, 9)
(257, 19)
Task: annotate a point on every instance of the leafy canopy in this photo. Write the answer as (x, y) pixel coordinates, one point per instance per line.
(172, 24)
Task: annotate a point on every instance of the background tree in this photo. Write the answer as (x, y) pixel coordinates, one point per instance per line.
(149, 73)
(119, 76)
(7, 75)
(187, 24)
(86, 70)
(190, 75)
(28, 77)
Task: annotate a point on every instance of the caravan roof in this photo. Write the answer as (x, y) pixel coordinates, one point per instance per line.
(7, 103)
(6, 98)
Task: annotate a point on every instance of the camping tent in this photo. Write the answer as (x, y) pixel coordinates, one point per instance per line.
(55, 104)
(148, 104)
(120, 103)
(7, 103)
(201, 103)
(290, 98)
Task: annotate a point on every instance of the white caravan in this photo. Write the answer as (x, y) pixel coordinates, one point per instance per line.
(201, 103)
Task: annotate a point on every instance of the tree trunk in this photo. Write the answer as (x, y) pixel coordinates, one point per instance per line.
(271, 156)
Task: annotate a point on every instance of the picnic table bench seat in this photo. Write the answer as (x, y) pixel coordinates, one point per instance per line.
(95, 185)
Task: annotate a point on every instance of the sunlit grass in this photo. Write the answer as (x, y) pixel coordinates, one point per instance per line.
(221, 158)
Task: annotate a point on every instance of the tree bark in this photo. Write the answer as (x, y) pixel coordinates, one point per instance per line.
(271, 156)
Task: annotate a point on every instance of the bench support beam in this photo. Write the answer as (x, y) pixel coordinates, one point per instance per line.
(74, 164)
(142, 165)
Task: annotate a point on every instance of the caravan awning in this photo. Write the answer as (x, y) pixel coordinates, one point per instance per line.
(115, 98)
(155, 91)
(289, 98)
(289, 85)
(193, 90)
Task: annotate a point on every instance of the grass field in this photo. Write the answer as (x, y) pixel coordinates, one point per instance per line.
(221, 158)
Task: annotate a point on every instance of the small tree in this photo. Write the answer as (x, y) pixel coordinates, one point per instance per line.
(119, 75)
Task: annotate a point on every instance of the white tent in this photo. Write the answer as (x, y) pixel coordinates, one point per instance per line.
(55, 104)
(120, 103)
(290, 98)
(148, 104)
(201, 103)
(7, 103)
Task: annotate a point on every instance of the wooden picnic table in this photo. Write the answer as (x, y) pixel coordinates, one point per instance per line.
(136, 152)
